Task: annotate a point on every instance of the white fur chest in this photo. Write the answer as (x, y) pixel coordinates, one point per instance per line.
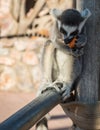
(65, 64)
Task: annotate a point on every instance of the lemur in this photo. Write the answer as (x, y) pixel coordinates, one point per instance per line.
(61, 53)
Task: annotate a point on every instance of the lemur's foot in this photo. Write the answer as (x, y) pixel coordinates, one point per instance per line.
(65, 93)
(58, 85)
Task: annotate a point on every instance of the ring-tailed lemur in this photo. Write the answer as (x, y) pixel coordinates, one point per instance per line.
(60, 59)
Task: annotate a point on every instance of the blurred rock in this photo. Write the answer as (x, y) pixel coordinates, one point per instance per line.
(7, 60)
(36, 75)
(20, 44)
(20, 65)
(6, 43)
(15, 54)
(32, 45)
(4, 51)
(24, 80)
(7, 79)
(30, 58)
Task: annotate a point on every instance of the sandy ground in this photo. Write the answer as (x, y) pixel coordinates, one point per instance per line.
(10, 102)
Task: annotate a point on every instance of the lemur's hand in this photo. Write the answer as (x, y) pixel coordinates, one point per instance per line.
(63, 88)
(81, 40)
(79, 45)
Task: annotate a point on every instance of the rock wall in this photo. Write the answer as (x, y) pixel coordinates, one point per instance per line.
(20, 64)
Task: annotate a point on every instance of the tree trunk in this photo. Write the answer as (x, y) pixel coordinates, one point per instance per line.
(88, 87)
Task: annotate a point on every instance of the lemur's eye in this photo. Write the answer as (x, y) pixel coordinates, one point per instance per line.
(63, 31)
(74, 33)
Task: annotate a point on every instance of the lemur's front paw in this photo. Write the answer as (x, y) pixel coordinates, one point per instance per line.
(65, 93)
(63, 88)
(58, 85)
(44, 87)
(81, 41)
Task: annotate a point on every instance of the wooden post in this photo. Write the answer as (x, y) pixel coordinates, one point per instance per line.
(88, 87)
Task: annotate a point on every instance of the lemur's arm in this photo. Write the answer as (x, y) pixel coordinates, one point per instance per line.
(80, 43)
(81, 39)
(47, 61)
(75, 52)
(46, 65)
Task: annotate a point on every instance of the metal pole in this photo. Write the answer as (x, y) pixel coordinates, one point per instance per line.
(26, 117)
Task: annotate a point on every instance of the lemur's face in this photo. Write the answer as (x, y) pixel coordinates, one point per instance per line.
(70, 22)
(67, 32)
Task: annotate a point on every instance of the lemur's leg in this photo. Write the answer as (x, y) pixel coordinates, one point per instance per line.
(47, 62)
(42, 124)
(46, 65)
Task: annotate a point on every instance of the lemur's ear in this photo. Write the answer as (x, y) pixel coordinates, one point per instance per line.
(56, 13)
(85, 14)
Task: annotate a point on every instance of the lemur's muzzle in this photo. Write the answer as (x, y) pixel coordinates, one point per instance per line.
(68, 40)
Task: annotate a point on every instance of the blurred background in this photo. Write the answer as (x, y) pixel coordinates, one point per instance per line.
(24, 26)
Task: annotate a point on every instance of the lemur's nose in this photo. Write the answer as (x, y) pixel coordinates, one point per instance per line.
(67, 40)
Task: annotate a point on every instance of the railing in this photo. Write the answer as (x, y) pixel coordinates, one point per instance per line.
(26, 117)
(85, 116)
